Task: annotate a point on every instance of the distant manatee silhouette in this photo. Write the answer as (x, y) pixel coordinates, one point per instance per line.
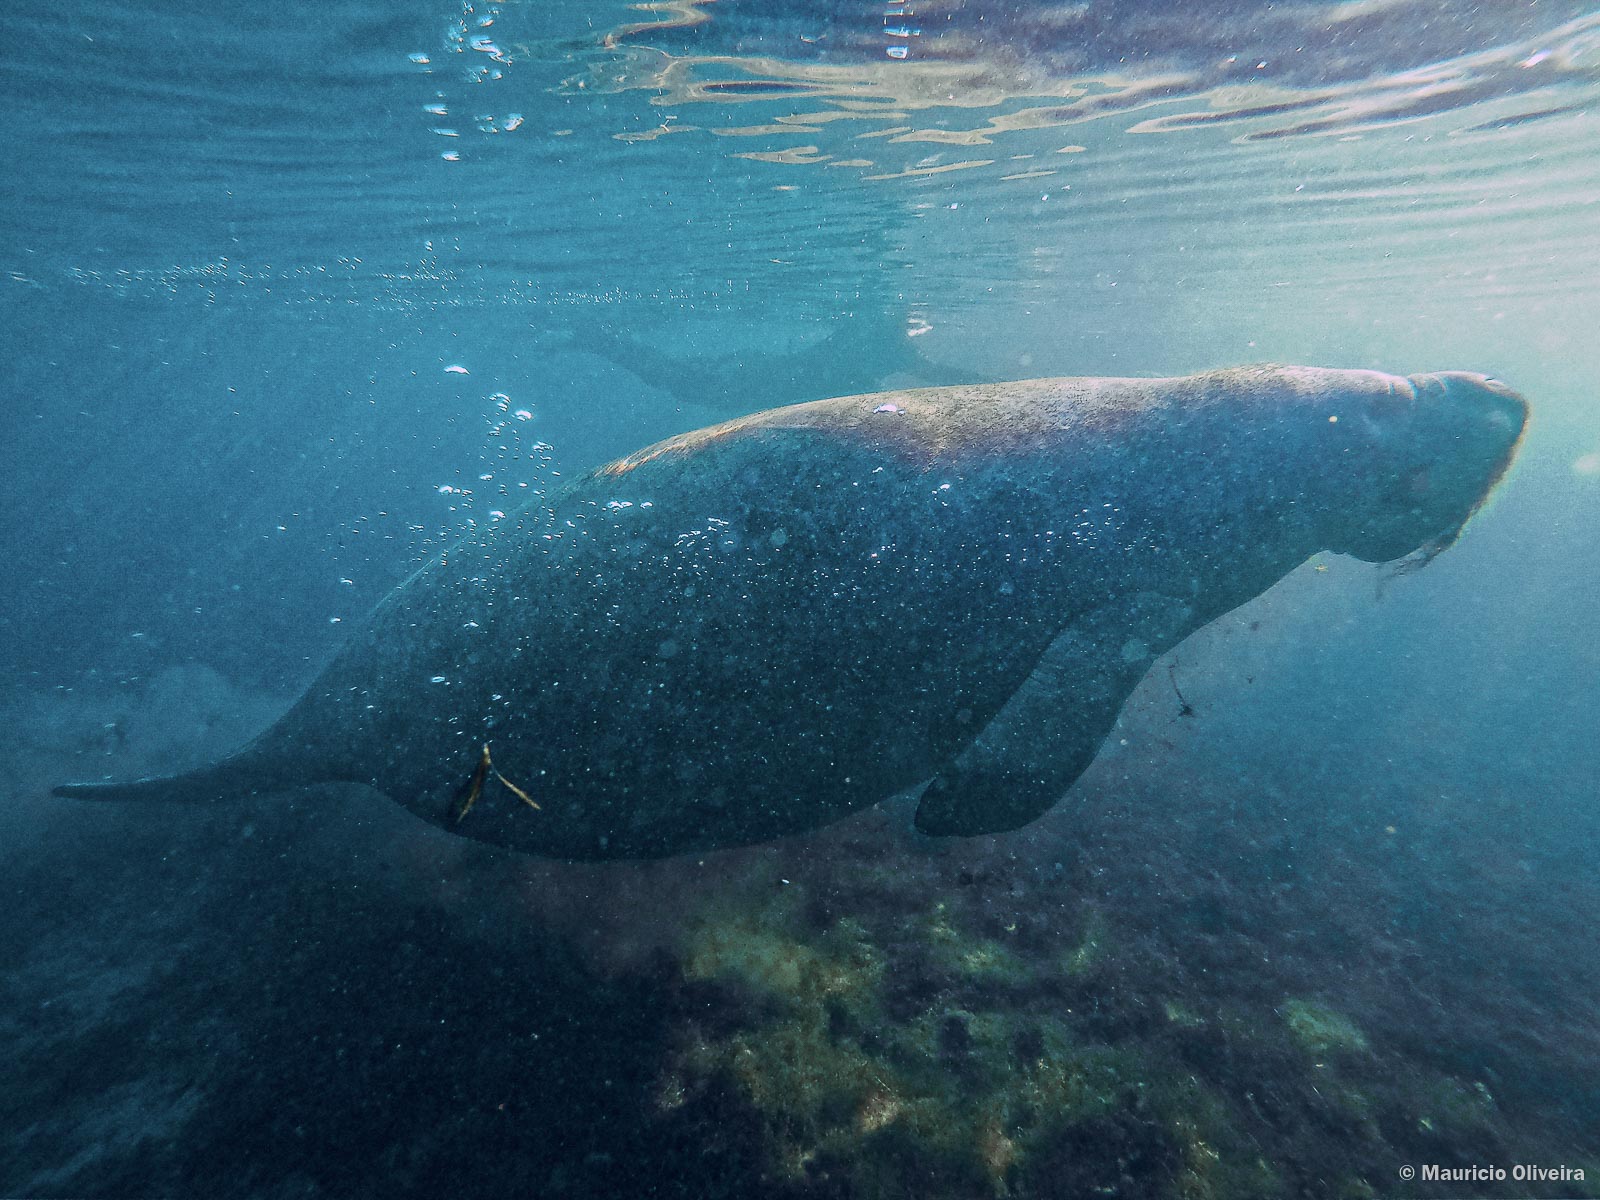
(760, 627)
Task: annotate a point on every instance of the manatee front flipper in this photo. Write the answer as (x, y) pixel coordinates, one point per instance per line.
(1050, 730)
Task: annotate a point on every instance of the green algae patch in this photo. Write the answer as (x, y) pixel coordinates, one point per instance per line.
(936, 1050)
(1181, 1016)
(1323, 1031)
(1091, 951)
(982, 1090)
(976, 960)
(988, 961)
(1454, 1107)
(944, 1105)
(1219, 1162)
(767, 950)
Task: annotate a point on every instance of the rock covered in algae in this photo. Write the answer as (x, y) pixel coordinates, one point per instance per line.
(921, 1029)
(970, 1085)
(1321, 1030)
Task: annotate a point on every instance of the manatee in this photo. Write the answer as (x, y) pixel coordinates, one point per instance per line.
(757, 628)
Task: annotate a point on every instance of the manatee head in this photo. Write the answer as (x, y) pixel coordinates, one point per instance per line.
(1431, 449)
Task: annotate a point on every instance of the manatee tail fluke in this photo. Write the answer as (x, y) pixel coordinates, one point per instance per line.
(226, 780)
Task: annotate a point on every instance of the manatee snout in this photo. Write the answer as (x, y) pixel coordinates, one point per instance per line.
(1496, 408)
(1478, 422)
(1436, 458)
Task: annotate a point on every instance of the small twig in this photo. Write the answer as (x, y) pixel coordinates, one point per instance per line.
(1185, 709)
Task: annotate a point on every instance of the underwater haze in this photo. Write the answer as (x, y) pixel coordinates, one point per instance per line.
(296, 297)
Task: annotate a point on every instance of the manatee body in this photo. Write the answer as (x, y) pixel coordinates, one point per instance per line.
(760, 627)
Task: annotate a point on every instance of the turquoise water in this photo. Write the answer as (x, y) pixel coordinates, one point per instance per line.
(280, 287)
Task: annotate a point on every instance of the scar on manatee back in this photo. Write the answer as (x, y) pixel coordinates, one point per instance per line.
(922, 421)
